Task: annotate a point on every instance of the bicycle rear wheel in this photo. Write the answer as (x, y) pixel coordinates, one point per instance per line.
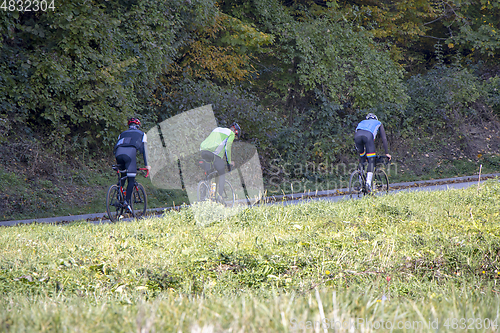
(114, 201)
(203, 191)
(139, 200)
(356, 185)
(380, 183)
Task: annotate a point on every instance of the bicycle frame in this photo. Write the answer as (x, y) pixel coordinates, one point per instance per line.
(122, 179)
(115, 199)
(208, 188)
(213, 184)
(380, 180)
(362, 172)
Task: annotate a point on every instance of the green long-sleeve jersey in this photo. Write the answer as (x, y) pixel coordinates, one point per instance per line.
(219, 142)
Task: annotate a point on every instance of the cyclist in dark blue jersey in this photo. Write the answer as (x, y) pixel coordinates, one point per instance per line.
(129, 143)
(364, 138)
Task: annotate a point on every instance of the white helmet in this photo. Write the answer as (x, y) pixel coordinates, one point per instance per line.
(371, 116)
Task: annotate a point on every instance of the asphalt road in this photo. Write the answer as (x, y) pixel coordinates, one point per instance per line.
(289, 199)
(335, 198)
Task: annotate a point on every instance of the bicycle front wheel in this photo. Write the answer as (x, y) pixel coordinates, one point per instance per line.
(380, 182)
(114, 205)
(139, 200)
(356, 185)
(203, 192)
(228, 195)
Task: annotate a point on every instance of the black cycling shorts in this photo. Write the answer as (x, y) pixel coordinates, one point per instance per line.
(210, 157)
(126, 160)
(365, 143)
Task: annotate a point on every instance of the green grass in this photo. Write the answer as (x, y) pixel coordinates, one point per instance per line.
(407, 257)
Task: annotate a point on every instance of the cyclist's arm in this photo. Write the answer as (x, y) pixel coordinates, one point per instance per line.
(228, 147)
(116, 144)
(384, 138)
(145, 151)
(145, 155)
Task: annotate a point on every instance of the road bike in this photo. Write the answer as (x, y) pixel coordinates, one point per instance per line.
(380, 181)
(208, 188)
(115, 198)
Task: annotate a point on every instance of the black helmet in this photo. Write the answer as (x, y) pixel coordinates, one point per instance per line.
(237, 129)
(371, 116)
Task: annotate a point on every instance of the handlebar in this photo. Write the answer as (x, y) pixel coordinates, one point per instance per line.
(115, 167)
(145, 169)
(382, 159)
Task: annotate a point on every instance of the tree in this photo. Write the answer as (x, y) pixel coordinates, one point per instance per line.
(79, 71)
(414, 26)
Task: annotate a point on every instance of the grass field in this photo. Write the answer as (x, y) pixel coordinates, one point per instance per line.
(408, 262)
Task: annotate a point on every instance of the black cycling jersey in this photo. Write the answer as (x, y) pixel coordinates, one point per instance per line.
(133, 137)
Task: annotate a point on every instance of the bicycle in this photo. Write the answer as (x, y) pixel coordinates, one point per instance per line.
(380, 181)
(115, 198)
(208, 189)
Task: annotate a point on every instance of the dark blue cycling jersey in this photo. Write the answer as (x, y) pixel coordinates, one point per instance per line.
(133, 137)
(129, 142)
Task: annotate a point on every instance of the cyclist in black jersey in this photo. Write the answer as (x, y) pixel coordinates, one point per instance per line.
(129, 142)
(364, 138)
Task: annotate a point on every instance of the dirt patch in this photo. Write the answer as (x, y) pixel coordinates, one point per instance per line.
(480, 138)
(38, 184)
(476, 139)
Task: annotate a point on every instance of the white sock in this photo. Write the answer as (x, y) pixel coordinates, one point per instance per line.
(369, 177)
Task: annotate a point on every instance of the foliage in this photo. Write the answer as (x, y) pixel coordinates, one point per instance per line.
(230, 103)
(475, 23)
(346, 65)
(323, 51)
(492, 93)
(83, 68)
(443, 96)
(413, 26)
(221, 52)
(321, 134)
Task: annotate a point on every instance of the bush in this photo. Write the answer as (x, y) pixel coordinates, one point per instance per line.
(81, 70)
(230, 103)
(443, 96)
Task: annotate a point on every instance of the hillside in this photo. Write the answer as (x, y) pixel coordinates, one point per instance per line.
(38, 183)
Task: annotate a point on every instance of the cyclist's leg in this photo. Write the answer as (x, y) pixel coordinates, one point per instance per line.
(127, 156)
(370, 154)
(220, 166)
(131, 173)
(359, 140)
(121, 161)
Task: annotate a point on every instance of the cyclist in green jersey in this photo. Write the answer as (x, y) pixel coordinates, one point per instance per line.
(216, 148)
